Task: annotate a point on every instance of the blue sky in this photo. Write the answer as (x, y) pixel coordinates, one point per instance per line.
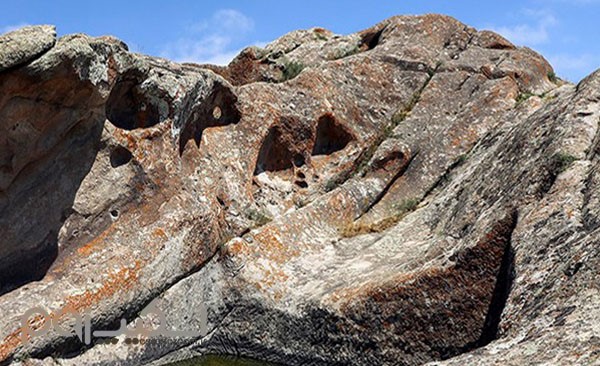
(564, 31)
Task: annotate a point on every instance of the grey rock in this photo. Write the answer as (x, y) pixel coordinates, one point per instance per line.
(25, 44)
(397, 199)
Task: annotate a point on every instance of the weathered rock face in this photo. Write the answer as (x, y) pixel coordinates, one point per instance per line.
(416, 192)
(25, 44)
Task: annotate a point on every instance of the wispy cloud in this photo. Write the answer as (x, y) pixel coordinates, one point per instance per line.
(543, 30)
(574, 67)
(211, 40)
(534, 32)
(12, 27)
(227, 20)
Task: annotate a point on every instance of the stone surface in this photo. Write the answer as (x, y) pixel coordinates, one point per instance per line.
(25, 44)
(417, 192)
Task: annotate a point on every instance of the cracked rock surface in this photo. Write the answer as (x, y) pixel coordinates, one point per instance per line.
(419, 192)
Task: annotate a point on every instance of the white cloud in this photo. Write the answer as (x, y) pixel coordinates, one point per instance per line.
(573, 62)
(10, 28)
(574, 67)
(211, 40)
(225, 19)
(530, 34)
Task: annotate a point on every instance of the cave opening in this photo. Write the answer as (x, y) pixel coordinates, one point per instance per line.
(274, 154)
(217, 109)
(330, 136)
(129, 107)
(120, 156)
(371, 40)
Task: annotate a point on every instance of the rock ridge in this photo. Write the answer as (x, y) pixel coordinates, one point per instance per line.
(419, 192)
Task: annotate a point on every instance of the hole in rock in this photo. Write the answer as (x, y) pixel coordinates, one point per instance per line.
(128, 107)
(371, 39)
(390, 162)
(300, 175)
(274, 154)
(114, 214)
(331, 136)
(221, 201)
(500, 46)
(285, 146)
(301, 184)
(299, 160)
(120, 156)
(217, 109)
(573, 269)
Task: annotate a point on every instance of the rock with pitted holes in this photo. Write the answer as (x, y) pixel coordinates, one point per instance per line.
(389, 197)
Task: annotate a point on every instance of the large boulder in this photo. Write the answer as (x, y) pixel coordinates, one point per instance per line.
(24, 44)
(416, 192)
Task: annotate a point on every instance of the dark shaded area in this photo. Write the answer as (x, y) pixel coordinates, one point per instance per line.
(502, 288)
(288, 142)
(319, 330)
(557, 164)
(274, 154)
(218, 109)
(371, 39)
(31, 267)
(301, 183)
(573, 269)
(441, 312)
(500, 46)
(331, 136)
(43, 196)
(299, 160)
(285, 146)
(501, 291)
(120, 156)
(128, 107)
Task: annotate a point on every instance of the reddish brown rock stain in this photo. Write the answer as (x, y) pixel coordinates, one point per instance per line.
(122, 280)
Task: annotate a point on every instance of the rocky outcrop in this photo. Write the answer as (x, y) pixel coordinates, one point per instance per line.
(24, 44)
(416, 192)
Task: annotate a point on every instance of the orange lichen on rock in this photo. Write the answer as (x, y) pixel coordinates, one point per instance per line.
(95, 243)
(122, 280)
(236, 247)
(9, 344)
(268, 243)
(160, 233)
(14, 339)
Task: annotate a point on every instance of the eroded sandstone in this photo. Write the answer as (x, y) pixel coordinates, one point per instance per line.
(385, 197)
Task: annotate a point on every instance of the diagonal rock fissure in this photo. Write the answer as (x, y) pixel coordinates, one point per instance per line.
(391, 182)
(502, 288)
(446, 177)
(361, 163)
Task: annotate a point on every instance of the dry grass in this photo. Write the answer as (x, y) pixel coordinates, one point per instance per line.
(402, 209)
